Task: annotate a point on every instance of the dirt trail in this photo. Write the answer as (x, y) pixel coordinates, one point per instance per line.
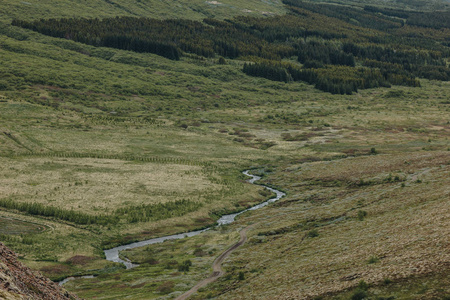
(217, 266)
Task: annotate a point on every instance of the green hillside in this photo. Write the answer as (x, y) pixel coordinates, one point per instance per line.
(139, 123)
(175, 9)
(402, 4)
(147, 8)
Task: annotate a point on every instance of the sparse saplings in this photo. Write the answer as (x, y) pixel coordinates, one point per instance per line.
(58, 213)
(313, 233)
(159, 211)
(373, 260)
(184, 266)
(361, 214)
(361, 291)
(241, 275)
(166, 287)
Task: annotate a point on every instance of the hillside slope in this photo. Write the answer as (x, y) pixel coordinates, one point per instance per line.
(18, 282)
(105, 146)
(405, 4)
(196, 9)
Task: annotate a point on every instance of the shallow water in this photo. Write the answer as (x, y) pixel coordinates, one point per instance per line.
(113, 253)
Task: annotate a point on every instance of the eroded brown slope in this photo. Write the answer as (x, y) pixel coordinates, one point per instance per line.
(18, 281)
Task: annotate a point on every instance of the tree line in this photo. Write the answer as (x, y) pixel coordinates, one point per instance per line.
(158, 211)
(39, 209)
(129, 214)
(320, 37)
(333, 79)
(434, 19)
(348, 14)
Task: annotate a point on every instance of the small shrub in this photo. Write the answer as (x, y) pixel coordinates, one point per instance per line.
(241, 275)
(389, 178)
(362, 182)
(4, 86)
(373, 260)
(172, 264)
(359, 295)
(199, 252)
(267, 145)
(361, 214)
(27, 240)
(363, 286)
(313, 233)
(395, 94)
(166, 287)
(184, 267)
(151, 261)
(265, 192)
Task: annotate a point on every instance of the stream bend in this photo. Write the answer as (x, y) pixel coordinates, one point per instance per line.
(113, 254)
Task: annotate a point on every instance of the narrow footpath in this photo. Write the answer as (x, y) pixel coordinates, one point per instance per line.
(217, 266)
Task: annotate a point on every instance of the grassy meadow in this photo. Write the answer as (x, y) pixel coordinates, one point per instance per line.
(100, 147)
(378, 219)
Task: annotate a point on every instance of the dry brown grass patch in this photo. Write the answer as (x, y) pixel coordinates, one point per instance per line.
(96, 185)
(404, 233)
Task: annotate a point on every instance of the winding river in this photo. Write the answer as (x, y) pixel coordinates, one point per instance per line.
(113, 254)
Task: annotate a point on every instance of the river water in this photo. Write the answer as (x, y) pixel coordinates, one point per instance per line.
(113, 254)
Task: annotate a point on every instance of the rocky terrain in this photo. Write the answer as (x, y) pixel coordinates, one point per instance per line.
(19, 282)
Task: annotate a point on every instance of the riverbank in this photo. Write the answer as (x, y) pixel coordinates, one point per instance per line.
(113, 254)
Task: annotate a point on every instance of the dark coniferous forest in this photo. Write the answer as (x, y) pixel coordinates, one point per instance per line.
(362, 48)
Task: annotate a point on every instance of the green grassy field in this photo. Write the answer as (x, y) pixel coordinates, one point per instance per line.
(104, 133)
(12, 226)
